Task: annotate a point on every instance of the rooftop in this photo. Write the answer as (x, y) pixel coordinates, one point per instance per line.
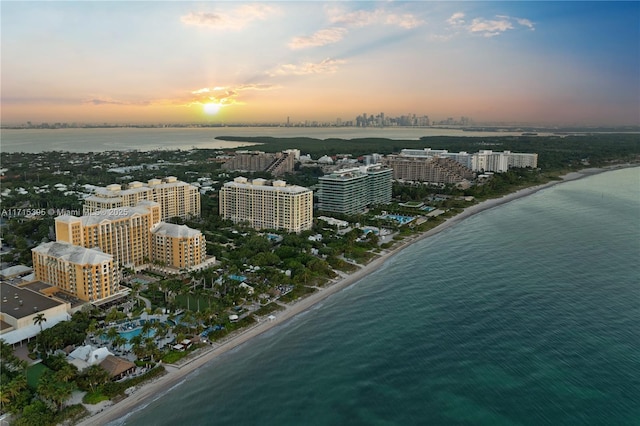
(73, 254)
(136, 187)
(277, 186)
(173, 230)
(118, 213)
(18, 302)
(116, 366)
(14, 271)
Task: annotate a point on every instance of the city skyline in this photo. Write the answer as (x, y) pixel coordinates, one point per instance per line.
(547, 63)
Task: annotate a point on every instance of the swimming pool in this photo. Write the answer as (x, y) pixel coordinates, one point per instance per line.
(135, 332)
(402, 220)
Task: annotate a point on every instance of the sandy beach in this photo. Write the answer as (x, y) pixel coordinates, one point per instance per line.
(147, 392)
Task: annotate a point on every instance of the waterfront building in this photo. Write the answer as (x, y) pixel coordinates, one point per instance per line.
(267, 206)
(177, 245)
(490, 161)
(350, 191)
(515, 159)
(461, 157)
(123, 232)
(135, 236)
(432, 169)
(176, 198)
(87, 274)
(484, 160)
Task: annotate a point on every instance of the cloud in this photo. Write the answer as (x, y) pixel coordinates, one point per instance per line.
(361, 18)
(222, 95)
(487, 27)
(109, 101)
(406, 20)
(456, 19)
(490, 28)
(526, 23)
(235, 19)
(327, 66)
(320, 38)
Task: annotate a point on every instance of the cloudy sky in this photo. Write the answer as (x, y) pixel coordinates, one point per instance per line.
(536, 62)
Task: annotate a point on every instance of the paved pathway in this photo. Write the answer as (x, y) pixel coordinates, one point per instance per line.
(146, 301)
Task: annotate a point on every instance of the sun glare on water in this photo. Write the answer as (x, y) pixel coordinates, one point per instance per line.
(211, 108)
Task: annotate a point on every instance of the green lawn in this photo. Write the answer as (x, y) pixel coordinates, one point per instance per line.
(192, 304)
(34, 373)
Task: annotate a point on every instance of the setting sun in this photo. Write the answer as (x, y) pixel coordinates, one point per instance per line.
(211, 108)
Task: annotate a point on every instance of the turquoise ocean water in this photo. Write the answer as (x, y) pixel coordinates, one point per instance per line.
(525, 314)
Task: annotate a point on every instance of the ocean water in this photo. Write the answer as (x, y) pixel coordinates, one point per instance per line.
(525, 314)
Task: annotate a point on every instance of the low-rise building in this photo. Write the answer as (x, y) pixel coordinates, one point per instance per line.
(18, 308)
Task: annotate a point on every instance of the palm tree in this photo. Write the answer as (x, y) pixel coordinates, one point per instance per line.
(4, 397)
(67, 373)
(39, 319)
(93, 327)
(146, 327)
(119, 341)
(112, 333)
(93, 377)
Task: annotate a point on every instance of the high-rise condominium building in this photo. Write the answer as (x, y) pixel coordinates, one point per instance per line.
(123, 232)
(489, 161)
(350, 191)
(267, 206)
(176, 198)
(88, 274)
(177, 245)
(135, 236)
(484, 160)
(515, 159)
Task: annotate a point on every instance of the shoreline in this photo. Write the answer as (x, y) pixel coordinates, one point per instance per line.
(148, 392)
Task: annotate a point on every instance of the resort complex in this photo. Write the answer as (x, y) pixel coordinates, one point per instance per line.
(176, 198)
(135, 236)
(267, 205)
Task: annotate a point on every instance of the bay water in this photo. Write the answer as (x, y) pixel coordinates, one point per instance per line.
(525, 314)
(146, 139)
